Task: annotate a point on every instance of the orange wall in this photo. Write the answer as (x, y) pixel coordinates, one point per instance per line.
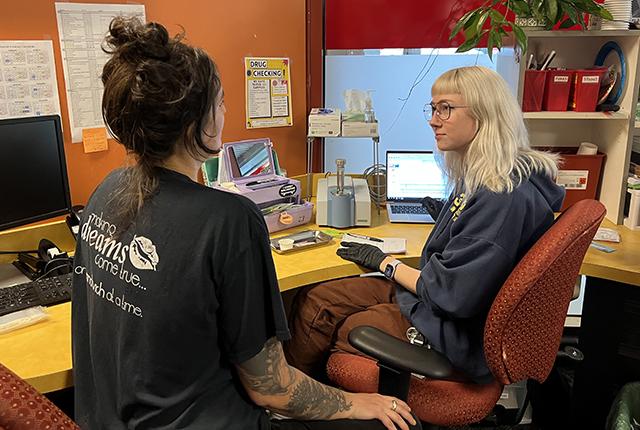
(228, 30)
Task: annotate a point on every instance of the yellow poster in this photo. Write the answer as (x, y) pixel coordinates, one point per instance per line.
(267, 92)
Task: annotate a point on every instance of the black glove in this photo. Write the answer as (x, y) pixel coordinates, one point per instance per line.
(433, 206)
(363, 254)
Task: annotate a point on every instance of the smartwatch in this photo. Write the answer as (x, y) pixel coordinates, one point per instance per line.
(390, 270)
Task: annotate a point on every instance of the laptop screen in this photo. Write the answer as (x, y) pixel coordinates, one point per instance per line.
(412, 176)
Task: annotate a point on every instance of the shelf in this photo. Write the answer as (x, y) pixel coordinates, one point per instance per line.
(576, 115)
(344, 137)
(589, 33)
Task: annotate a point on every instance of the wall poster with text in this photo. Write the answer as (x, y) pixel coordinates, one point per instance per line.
(267, 92)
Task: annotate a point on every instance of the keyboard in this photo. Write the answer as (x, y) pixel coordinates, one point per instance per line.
(44, 292)
(408, 209)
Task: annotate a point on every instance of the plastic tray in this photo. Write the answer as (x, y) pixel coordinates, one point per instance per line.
(302, 240)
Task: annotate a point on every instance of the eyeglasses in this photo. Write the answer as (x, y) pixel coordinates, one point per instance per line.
(442, 109)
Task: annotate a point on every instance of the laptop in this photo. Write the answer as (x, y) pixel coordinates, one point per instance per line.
(412, 176)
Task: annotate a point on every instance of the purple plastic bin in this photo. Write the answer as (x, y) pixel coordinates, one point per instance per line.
(299, 215)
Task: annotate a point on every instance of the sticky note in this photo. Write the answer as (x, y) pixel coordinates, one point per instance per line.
(94, 139)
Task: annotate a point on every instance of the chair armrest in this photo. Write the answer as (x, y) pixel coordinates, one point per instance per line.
(400, 355)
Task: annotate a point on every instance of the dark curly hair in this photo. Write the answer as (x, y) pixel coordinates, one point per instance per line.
(158, 94)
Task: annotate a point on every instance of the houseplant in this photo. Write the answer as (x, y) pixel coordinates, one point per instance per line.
(491, 19)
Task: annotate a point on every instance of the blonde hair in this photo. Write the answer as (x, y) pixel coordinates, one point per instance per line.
(499, 157)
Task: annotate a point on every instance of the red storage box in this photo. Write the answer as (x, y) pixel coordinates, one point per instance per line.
(585, 89)
(533, 90)
(579, 174)
(556, 90)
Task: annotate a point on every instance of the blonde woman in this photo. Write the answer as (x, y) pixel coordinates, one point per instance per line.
(503, 198)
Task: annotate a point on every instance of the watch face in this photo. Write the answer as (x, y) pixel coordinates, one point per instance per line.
(388, 271)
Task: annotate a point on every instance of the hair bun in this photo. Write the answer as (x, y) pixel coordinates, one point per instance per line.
(136, 41)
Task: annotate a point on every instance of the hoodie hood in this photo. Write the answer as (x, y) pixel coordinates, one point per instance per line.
(552, 192)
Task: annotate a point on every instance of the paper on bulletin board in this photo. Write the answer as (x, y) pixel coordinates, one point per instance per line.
(82, 28)
(267, 92)
(94, 139)
(28, 84)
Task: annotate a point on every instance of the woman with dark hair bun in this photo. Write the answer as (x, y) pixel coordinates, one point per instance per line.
(177, 315)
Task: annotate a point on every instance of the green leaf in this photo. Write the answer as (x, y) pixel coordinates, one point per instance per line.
(599, 10)
(521, 38)
(537, 9)
(552, 10)
(573, 14)
(469, 44)
(461, 22)
(605, 14)
(497, 41)
(567, 23)
(497, 17)
(473, 19)
(493, 41)
(520, 7)
(490, 44)
(482, 20)
(470, 27)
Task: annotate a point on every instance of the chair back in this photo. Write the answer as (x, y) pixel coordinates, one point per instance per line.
(525, 323)
(22, 407)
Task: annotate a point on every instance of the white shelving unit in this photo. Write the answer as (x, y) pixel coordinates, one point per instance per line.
(612, 132)
(376, 160)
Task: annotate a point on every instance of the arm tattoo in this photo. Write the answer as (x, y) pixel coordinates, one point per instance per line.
(268, 372)
(269, 375)
(315, 401)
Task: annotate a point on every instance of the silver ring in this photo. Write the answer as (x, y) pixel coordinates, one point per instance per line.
(394, 405)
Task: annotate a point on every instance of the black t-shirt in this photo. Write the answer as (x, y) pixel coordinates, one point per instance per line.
(161, 313)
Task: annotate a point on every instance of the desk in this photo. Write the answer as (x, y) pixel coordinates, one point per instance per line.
(41, 353)
(610, 329)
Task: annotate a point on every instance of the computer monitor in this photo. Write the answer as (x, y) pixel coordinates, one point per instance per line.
(33, 171)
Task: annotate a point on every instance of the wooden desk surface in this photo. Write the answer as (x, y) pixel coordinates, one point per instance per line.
(41, 353)
(623, 265)
(322, 264)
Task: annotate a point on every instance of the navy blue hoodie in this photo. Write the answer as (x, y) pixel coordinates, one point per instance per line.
(473, 247)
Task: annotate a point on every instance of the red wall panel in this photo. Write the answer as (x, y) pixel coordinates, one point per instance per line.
(362, 24)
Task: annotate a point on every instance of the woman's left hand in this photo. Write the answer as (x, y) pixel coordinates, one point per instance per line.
(363, 254)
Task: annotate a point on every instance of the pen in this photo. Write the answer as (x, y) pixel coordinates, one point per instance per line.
(548, 60)
(263, 181)
(530, 62)
(362, 236)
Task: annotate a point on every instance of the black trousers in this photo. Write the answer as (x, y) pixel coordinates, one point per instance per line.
(333, 425)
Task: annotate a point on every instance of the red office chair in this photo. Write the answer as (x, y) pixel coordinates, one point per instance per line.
(521, 336)
(24, 408)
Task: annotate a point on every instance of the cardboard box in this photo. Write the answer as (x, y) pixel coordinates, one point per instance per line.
(359, 129)
(324, 122)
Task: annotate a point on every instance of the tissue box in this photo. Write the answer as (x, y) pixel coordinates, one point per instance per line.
(360, 129)
(324, 122)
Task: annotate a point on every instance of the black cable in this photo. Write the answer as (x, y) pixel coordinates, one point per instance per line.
(29, 251)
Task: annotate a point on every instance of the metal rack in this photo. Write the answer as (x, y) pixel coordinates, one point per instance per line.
(376, 161)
